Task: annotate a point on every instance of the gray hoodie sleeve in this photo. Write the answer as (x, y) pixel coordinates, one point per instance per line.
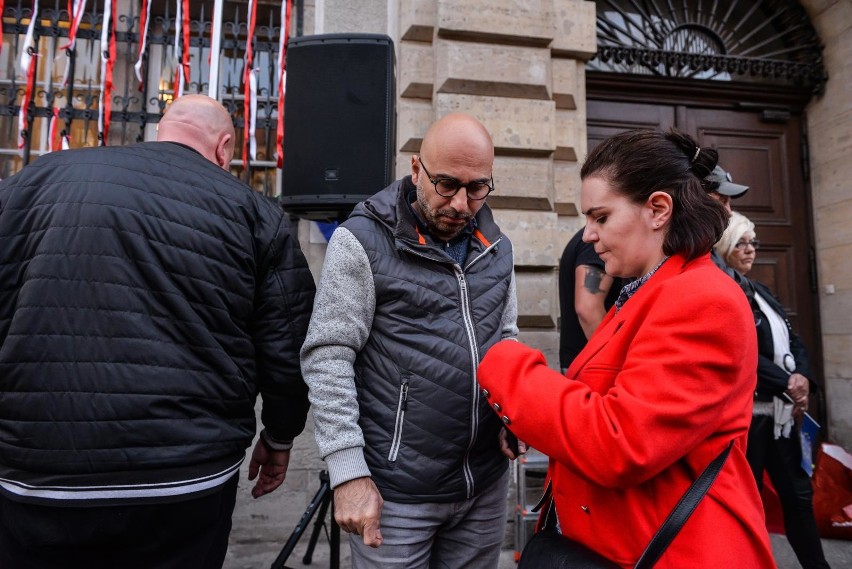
(340, 325)
(510, 312)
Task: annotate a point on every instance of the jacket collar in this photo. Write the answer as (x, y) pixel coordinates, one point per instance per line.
(391, 207)
(675, 265)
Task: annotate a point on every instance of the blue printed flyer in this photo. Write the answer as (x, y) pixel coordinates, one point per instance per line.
(807, 435)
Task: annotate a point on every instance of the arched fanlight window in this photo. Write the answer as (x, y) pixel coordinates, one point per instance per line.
(735, 40)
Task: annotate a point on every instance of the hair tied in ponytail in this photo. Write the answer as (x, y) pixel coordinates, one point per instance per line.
(695, 156)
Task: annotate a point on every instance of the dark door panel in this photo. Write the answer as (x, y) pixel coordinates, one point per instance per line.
(612, 117)
(766, 157)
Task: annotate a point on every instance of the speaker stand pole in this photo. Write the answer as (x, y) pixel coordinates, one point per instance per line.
(320, 504)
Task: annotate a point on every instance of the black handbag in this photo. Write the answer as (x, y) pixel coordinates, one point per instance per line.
(549, 549)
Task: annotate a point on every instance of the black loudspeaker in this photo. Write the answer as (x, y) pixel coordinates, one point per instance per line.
(339, 123)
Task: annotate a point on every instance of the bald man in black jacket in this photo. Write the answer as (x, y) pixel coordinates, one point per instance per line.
(148, 296)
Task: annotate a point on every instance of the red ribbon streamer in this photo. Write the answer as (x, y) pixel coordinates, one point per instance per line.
(74, 16)
(143, 22)
(185, 52)
(246, 86)
(53, 142)
(107, 88)
(1, 25)
(285, 30)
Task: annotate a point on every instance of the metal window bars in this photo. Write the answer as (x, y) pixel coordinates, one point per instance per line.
(67, 83)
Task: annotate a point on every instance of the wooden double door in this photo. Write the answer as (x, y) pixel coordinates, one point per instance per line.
(759, 134)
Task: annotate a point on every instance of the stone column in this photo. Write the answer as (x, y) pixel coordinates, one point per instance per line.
(829, 125)
(519, 68)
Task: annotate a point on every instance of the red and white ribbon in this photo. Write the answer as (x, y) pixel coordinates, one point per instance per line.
(144, 24)
(28, 65)
(250, 90)
(107, 64)
(75, 13)
(185, 37)
(181, 47)
(178, 86)
(76, 8)
(282, 78)
(54, 122)
(58, 140)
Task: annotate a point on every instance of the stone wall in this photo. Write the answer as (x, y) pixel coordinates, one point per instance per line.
(518, 67)
(829, 128)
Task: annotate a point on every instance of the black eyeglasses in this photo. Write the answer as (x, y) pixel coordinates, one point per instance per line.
(448, 187)
(743, 244)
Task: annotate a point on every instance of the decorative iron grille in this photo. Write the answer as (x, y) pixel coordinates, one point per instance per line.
(753, 40)
(67, 83)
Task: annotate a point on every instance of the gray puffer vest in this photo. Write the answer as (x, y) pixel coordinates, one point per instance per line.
(430, 435)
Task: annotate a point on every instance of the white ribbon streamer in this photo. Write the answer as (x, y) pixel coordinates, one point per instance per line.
(215, 49)
(253, 119)
(29, 42)
(138, 67)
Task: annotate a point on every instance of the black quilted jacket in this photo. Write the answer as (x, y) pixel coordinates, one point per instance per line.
(146, 298)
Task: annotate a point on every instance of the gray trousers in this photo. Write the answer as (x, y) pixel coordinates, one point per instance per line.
(453, 535)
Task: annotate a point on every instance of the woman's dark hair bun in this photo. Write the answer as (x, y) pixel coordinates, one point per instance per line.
(701, 160)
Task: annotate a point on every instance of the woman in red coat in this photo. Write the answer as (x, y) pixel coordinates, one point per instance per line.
(665, 383)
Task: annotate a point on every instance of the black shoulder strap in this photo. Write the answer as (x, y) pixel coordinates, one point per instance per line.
(682, 511)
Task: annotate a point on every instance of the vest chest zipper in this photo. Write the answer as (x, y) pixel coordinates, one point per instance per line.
(401, 407)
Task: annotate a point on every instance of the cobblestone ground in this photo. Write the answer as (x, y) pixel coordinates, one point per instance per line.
(261, 527)
(256, 556)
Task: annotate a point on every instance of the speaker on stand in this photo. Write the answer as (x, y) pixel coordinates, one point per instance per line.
(339, 123)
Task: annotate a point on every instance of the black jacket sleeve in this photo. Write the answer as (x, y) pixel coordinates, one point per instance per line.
(771, 379)
(283, 302)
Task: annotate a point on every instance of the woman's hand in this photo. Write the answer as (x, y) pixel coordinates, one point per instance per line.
(798, 388)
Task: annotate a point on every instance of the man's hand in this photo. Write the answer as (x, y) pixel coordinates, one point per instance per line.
(507, 449)
(272, 465)
(358, 509)
(798, 388)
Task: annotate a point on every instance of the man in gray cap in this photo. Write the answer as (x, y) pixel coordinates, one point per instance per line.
(720, 186)
(726, 190)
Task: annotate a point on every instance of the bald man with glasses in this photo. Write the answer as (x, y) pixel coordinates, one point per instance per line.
(417, 284)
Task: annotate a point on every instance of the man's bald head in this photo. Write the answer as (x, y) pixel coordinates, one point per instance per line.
(456, 147)
(201, 123)
(459, 136)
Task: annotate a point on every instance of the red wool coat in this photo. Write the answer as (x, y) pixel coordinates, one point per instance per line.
(659, 391)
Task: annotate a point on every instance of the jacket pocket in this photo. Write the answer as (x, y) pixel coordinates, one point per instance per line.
(401, 407)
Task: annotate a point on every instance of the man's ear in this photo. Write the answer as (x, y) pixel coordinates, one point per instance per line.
(224, 151)
(660, 207)
(415, 168)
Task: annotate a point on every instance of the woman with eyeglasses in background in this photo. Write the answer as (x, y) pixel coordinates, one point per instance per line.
(784, 381)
